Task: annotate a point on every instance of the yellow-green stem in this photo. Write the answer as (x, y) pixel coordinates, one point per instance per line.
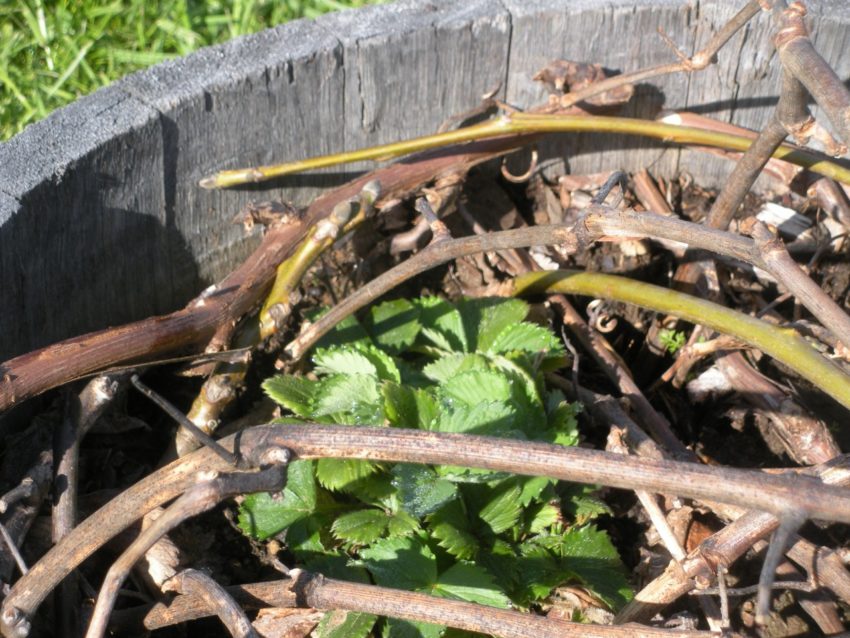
(783, 344)
(518, 123)
(291, 271)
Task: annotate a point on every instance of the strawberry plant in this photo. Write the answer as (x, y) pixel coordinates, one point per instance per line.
(473, 367)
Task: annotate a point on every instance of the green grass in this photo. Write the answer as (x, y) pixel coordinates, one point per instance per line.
(52, 52)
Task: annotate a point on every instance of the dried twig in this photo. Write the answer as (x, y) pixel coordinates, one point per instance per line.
(309, 590)
(81, 413)
(771, 493)
(194, 583)
(697, 62)
(203, 496)
(800, 58)
(723, 548)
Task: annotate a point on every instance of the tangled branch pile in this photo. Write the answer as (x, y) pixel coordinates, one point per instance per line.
(738, 314)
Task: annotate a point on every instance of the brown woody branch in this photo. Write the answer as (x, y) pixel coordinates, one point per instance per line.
(776, 494)
(800, 58)
(192, 583)
(201, 497)
(724, 548)
(312, 590)
(194, 326)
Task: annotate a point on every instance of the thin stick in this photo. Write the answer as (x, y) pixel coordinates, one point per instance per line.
(309, 590)
(789, 523)
(194, 583)
(19, 508)
(697, 62)
(799, 57)
(81, 413)
(198, 499)
(13, 550)
(772, 493)
(201, 436)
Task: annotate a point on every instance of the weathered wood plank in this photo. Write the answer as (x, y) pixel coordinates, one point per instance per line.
(254, 100)
(621, 36)
(411, 65)
(71, 256)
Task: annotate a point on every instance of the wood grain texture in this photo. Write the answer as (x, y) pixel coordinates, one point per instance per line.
(620, 36)
(101, 221)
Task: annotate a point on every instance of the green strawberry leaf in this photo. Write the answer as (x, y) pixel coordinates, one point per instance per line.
(339, 474)
(502, 511)
(401, 524)
(532, 488)
(263, 515)
(562, 421)
(356, 359)
(361, 527)
(419, 489)
(350, 399)
(590, 555)
(397, 628)
(346, 332)
(490, 418)
(485, 318)
(465, 581)
(294, 393)
(343, 360)
(442, 324)
(449, 525)
(394, 325)
(526, 337)
(538, 570)
(344, 624)
(476, 386)
(407, 407)
(450, 365)
(336, 566)
(580, 504)
(400, 563)
(542, 516)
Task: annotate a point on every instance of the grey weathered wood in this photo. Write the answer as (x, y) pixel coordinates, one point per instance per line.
(410, 65)
(101, 220)
(618, 35)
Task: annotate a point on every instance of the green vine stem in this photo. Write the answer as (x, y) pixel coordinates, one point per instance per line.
(783, 344)
(344, 218)
(519, 123)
